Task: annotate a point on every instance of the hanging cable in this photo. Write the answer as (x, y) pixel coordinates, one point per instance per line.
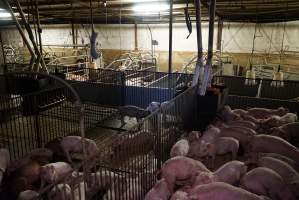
(188, 19)
(93, 51)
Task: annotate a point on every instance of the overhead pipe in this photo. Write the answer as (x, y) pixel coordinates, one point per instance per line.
(208, 67)
(39, 30)
(33, 56)
(170, 36)
(199, 62)
(31, 37)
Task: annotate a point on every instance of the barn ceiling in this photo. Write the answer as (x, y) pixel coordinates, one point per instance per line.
(125, 11)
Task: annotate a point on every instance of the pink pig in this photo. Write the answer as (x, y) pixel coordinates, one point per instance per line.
(272, 144)
(73, 144)
(181, 169)
(262, 113)
(180, 148)
(160, 191)
(264, 181)
(221, 191)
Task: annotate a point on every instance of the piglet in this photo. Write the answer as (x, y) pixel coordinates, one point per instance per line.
(272, 144)
(28, 195)
(73, 144)
(263, 113)
(159, 192)
(289, 118)
(221, 191)
(180, 148)
(264, 181)
(243, 137)
(225, 145)
(221, 146)
(52, 172)
(242, 123)
(180, 169)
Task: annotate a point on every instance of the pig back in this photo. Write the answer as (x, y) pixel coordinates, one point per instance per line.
(221, 191)
(273, 144)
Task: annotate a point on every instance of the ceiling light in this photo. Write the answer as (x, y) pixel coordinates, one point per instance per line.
(150, 8)
(4, 14)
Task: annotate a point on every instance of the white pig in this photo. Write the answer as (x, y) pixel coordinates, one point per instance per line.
(179, 169)
(221, 146)
(52, 172)
(180, 148)
(73, 144)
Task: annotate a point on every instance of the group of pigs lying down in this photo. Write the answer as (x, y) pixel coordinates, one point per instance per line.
(264, 162)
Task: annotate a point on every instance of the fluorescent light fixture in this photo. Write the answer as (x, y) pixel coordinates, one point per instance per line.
(4, 14)
(150, 8)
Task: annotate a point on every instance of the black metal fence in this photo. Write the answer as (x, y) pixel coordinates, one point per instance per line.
(35, 110)
(130, 87)
(132, 159)
(268, 88)
(127, 163)
(244, 93)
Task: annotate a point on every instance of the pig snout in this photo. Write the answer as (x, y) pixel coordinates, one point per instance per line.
(181, 148)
